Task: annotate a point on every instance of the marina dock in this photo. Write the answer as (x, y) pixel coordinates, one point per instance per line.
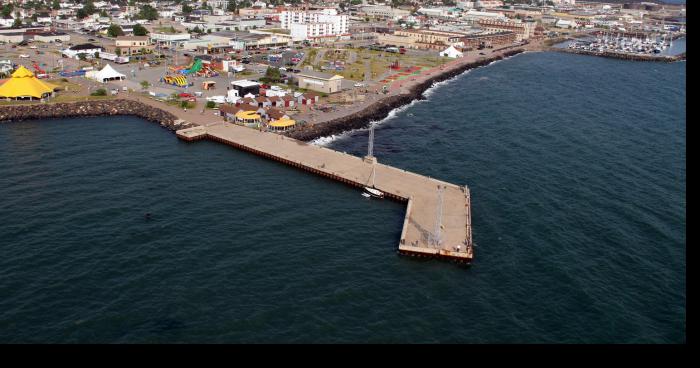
(438, 214)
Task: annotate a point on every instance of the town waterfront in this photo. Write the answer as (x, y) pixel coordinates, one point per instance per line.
(577, 170)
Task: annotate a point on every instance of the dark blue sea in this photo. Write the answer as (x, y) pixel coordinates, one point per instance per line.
(577, 170)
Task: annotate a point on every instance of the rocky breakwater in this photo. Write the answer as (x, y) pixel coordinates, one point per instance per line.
(381, 109)
(622, 55)
(92, 108)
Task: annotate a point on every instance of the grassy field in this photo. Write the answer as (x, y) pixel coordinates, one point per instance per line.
(310, 56)
(166, 30)
(245, 73)
(378, 61)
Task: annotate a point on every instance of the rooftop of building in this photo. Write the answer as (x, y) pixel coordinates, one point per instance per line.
(132, 38)
(245, 83)
(240, 36)
(319, 75)
(52, 33)
(85, 46)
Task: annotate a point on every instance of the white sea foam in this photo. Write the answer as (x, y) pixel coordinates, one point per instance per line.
(429, 92)
(324, 141)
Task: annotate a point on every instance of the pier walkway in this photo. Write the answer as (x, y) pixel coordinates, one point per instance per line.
(438, 214)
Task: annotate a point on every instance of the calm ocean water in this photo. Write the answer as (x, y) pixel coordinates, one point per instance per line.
(577, 171)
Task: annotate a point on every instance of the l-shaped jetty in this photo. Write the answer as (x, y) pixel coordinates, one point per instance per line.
(438, 214)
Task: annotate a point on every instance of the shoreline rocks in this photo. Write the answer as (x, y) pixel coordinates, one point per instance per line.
(92, 108)
(381, 109)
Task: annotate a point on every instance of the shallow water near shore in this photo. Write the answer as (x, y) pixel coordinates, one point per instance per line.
(577, 170)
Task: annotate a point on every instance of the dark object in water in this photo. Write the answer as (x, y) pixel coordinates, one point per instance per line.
(147, 216)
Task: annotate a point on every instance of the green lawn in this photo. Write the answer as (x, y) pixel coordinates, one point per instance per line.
(379, 61)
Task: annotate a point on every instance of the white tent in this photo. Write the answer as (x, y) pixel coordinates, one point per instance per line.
(451, 52)
(106, 74)
(232, 96)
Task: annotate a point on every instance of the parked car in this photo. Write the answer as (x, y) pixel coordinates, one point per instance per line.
(186, 95)
(24, 56)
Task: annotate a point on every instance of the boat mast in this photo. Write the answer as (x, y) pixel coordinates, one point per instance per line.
(370, 146)
(370, 154)
(437, 232)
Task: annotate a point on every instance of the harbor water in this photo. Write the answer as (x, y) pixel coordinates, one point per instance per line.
(112, 230)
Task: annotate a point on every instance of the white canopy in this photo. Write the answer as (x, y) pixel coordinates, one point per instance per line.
(451, 52)
(107, 74)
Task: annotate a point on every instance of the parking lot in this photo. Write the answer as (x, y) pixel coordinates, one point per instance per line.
(47, 57)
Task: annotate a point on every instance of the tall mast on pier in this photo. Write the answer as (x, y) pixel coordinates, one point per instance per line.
(370, 145)
(437, 232)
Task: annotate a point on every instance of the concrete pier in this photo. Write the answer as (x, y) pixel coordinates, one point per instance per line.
(433, 227)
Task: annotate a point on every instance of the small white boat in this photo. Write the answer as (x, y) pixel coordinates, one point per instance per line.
(374, 192)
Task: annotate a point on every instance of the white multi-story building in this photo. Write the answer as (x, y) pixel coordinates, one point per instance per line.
(170, 39)
(305, 31)
(487, 4)
(306, 25)
(218, 4)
